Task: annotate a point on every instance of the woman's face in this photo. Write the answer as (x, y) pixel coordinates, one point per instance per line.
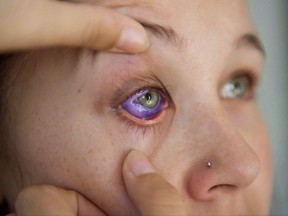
(189, 100)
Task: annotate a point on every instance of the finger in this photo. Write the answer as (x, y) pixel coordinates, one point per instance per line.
(50, 200)
(86, 207)
(151, 194)
(27, 24)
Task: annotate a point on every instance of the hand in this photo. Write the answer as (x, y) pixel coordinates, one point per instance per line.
(50, 200)
(29, 24)
(150, 193)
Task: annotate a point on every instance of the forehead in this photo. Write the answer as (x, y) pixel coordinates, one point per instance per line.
(197, 21)
(182, 12)
(191, 5)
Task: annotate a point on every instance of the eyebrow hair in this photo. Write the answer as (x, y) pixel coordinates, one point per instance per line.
(170, 35)
(167, 33)
(252, 40)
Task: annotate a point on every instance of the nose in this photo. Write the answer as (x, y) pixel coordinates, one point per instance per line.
(225, 164)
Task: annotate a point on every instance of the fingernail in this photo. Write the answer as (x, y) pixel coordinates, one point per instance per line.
(132, 40)
(138, 164)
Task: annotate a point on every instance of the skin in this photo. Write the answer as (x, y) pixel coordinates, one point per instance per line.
(49, 23)
(64, 129)
(150, 193)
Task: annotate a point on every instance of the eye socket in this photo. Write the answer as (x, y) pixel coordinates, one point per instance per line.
(145, 104)
(237, 87)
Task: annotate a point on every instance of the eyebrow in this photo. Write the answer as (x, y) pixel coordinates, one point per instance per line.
(167, 33)
(252, 40)
(171, 37)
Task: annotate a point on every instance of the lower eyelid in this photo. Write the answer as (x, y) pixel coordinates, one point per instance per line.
(124, 115)
(135, 108)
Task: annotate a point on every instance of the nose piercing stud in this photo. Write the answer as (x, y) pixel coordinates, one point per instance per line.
(209, 164)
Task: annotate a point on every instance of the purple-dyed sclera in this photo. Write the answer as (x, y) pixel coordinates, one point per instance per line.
(132, 106)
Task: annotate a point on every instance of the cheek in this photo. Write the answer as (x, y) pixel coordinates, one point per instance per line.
(263, 184)
(62, 139)
(79, 151)
(249, 122)
(260, 192)
(252, 128)
(78, 156)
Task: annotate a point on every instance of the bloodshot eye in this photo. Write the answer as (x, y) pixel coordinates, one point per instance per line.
(145, 104)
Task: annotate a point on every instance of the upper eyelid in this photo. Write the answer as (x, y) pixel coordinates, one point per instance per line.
(128, 88)
(254, 79)
(253, 75)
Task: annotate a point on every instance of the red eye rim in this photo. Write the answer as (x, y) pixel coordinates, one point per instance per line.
(154, 120)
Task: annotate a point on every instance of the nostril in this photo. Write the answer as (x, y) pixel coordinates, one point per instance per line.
(222, 175)
(222, 187)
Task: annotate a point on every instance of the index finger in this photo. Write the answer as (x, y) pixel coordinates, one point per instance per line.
(40, 24)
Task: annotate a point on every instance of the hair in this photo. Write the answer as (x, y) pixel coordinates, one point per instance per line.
(10, 69)
(6, 62)
(11, 66)
(5, 65)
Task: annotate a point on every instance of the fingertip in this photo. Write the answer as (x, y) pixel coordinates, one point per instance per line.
(114, 32)
(149, 191)
(132, 40)
(138, 164)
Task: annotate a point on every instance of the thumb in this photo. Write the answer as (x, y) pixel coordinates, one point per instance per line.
(150, 193)
(27, 24)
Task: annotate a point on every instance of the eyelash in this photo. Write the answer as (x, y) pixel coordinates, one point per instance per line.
(140, 128)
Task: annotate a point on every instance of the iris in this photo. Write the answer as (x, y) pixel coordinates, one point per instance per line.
(236, 88)
(144, 104)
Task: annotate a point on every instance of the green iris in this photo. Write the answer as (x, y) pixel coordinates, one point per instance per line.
(149, 99)
(240, 86)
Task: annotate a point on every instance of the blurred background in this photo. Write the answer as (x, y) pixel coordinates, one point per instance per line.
(271, 20)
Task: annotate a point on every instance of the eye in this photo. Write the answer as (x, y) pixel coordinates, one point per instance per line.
(145, 104)
(237, 87)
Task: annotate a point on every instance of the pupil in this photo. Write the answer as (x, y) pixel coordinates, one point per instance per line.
(149, 100)
(237, 85)
(148, 97)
